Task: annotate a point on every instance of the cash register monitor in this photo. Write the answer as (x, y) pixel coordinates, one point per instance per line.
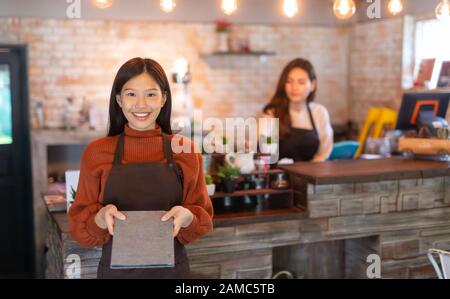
(423, 109)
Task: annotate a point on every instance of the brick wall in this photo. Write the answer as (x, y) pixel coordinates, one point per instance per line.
(80, 58)
(375, 66)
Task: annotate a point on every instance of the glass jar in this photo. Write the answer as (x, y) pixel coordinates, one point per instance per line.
(280, 182)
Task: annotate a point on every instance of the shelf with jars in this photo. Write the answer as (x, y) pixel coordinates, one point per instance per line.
(247, 187)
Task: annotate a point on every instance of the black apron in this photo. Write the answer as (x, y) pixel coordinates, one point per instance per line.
(144, 187)
(300, 144)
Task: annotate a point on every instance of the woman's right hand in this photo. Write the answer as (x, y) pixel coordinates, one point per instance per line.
(105, 217)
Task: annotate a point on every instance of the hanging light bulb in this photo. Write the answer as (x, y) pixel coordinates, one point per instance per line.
(103, 4)
(395, 6)
(229, 6)
(443, 11)
(290, 8)
(344, 9)
(167, 5)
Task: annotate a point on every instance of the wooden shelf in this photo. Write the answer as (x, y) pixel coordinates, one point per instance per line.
(48, 137)
(257, 172)
(251, 192)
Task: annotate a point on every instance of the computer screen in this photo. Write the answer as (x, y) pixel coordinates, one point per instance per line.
(414, 103)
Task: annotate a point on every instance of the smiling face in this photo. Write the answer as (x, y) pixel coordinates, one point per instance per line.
(141, 100)
(298, 85)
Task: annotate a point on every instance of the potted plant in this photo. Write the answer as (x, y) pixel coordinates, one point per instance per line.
(73, 192)
(229, 174)
(223, 29)
(210, 186)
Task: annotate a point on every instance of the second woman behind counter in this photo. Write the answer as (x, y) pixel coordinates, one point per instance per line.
(305, 130)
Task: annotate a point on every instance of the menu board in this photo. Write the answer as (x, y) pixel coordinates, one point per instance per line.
(143, 241)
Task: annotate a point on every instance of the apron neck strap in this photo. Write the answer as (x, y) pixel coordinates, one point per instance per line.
(311, 117)
(167, 149)
(119, 150)
(121, 142)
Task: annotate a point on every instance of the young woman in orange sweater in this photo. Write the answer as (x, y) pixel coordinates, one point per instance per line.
(134, 168)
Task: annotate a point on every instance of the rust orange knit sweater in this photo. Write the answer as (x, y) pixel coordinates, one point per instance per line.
(140, 146)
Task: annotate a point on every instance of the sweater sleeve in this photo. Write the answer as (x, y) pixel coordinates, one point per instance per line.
(83, 228)
(195, 196)
(325, 132)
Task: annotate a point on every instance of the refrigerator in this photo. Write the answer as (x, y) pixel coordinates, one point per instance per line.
(16, 203)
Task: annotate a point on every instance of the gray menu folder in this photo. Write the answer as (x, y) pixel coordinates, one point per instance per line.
(143, 241)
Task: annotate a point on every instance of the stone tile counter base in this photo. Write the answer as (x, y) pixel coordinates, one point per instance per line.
(397, 218)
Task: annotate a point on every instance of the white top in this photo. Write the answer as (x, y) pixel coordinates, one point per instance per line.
(300, 119)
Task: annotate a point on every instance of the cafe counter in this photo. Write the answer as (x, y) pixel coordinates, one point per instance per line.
(343, 212)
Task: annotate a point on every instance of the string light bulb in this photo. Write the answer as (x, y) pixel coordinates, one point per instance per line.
(229, 6)
(443, 11)
(395, 6)
(167, 5)
(344, 9)
(102, 4)
(290, 8)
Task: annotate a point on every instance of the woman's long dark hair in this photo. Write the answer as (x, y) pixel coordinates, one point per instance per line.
(132, 68)
(279, 103)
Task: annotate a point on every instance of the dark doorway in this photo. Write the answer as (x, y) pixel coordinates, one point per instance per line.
(16, 246)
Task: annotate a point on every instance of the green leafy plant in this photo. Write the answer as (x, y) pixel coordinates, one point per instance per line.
(73, 192)
(209, 179)
(227, 172)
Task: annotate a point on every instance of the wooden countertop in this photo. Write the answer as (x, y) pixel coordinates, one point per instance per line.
(220, 220)
(358, 171)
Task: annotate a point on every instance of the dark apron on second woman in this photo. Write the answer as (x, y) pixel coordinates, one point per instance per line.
(144, 187)
(300, 144)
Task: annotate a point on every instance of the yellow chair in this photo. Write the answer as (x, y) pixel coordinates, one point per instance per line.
(377, 121)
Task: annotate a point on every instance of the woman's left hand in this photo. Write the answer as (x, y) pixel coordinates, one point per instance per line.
(182, 218)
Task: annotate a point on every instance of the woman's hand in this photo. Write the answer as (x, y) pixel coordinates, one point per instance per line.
(182, 218)
(105, 217)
